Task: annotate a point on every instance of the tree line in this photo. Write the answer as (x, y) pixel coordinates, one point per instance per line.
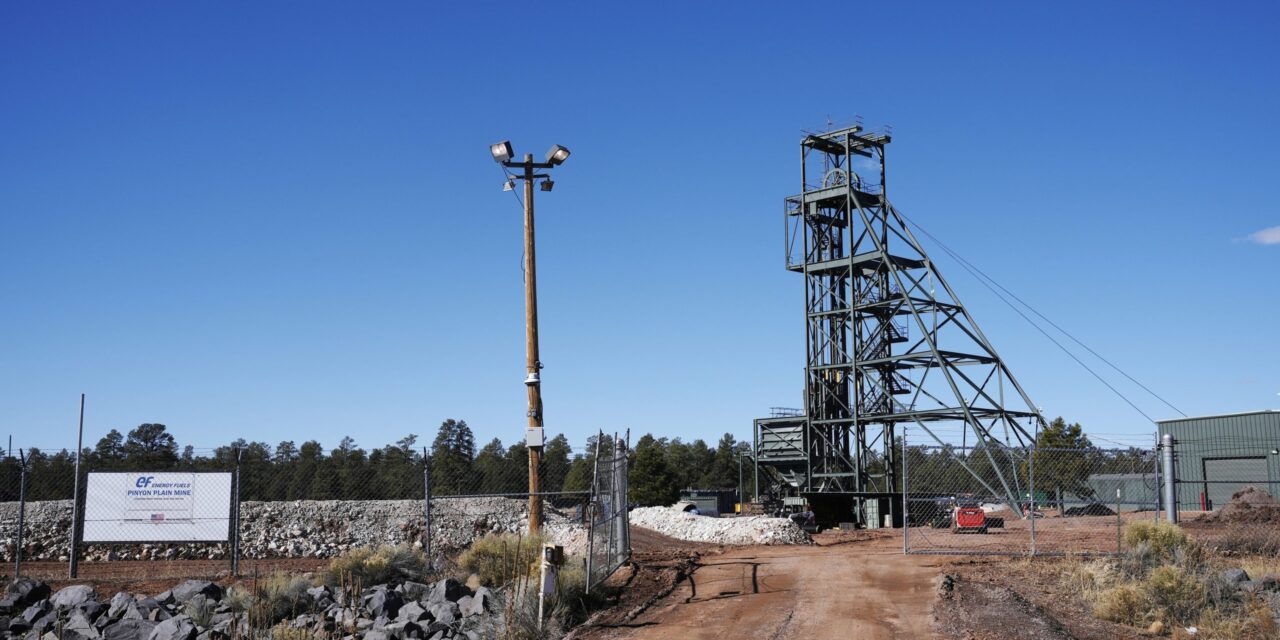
(660, 467)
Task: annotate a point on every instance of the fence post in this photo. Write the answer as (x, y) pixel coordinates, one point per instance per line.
(625, 494)
(22, 511)
(592, 509)
(76, 518)
(1031, 501)
(906, 513)
(235, 520)
(426, 507)
(1170, 479)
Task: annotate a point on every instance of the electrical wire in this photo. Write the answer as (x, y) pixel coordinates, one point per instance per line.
(511, 178)
(965, 265)
(1055, 325)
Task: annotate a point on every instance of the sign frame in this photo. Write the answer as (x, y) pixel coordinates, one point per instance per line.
(232, 511)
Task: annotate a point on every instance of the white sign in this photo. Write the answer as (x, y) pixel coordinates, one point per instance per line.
(157, 507)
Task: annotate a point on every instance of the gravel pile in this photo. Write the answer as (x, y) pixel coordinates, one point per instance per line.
(305, 529)
(740, 530)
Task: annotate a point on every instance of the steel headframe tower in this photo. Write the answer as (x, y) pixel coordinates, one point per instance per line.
(888, 343)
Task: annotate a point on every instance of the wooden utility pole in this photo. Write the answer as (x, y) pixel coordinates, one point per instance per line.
(533, 379)
(502, 154)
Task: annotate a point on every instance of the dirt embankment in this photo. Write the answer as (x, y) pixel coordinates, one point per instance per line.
(1250, 505)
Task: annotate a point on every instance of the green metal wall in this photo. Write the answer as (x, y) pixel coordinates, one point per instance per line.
(1235, 449)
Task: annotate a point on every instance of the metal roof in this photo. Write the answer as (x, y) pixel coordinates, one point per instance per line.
(1220, 415)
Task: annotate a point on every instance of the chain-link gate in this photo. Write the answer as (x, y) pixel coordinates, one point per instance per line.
(990, 500)
(609, 543)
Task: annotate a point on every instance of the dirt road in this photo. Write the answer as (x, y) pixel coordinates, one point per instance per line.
(841, 588)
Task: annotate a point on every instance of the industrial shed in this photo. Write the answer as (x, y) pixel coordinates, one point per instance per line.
(1217, 456)
(1127, 491)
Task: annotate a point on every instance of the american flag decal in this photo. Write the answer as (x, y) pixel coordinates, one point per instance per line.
(157, 517)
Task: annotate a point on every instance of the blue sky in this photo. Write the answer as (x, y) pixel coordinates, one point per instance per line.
(280, 221)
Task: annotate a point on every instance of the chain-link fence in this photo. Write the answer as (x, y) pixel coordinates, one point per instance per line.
(206, 516)
(1025, 501)
(1226, 495)
(468, 502)
(609, 545)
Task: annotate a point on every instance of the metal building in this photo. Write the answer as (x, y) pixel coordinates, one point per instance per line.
(1217, 456)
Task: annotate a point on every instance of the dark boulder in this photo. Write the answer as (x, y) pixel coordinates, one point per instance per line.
(175, 628)
(119, 604)
(24, 592)
(192, 588)
(447, 590)
(76, 594)
(131, 629)
(383, 602)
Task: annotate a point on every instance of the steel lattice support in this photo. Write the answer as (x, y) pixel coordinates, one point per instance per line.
(888, 342)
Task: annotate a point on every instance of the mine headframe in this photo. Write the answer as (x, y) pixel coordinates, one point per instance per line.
(887, 344)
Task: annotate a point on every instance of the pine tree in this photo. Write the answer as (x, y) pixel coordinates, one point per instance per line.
(452, 457)
(651, 480)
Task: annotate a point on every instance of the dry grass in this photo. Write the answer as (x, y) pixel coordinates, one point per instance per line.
(383, 565)
(1175, 596)
(277, 597)
(498, 559)
(1172, 581)
(1124, 605)
(1258, 566)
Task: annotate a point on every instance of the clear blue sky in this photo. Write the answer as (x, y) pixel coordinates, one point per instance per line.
(280, 220)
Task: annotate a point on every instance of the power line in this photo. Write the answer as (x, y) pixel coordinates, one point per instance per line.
(965, 264)
(1055, 325)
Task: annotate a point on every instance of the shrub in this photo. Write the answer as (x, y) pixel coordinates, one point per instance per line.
(1088, 578)
(1176, 595)
(498, 559)
(368, 567)
(1123, 604)
(238, 598)
(276, 597)
(201, 611)
(1161, 537)
(518, 602)
(573, 605)
(1154, 544)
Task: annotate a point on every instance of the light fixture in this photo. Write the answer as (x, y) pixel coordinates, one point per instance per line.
(557, 155)
(509, 185)
(1275, 452)
(547, 185)
(502, 151)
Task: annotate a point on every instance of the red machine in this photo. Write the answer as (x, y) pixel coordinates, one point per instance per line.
(969, 520)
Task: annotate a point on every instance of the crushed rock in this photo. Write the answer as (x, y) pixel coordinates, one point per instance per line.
(306, 529)
(735, 530)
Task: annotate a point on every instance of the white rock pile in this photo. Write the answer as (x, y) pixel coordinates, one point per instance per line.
(306, 529)
(739, 530)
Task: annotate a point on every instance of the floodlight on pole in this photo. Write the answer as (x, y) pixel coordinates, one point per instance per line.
(527, 171)
(501, 151)
(557, 155)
